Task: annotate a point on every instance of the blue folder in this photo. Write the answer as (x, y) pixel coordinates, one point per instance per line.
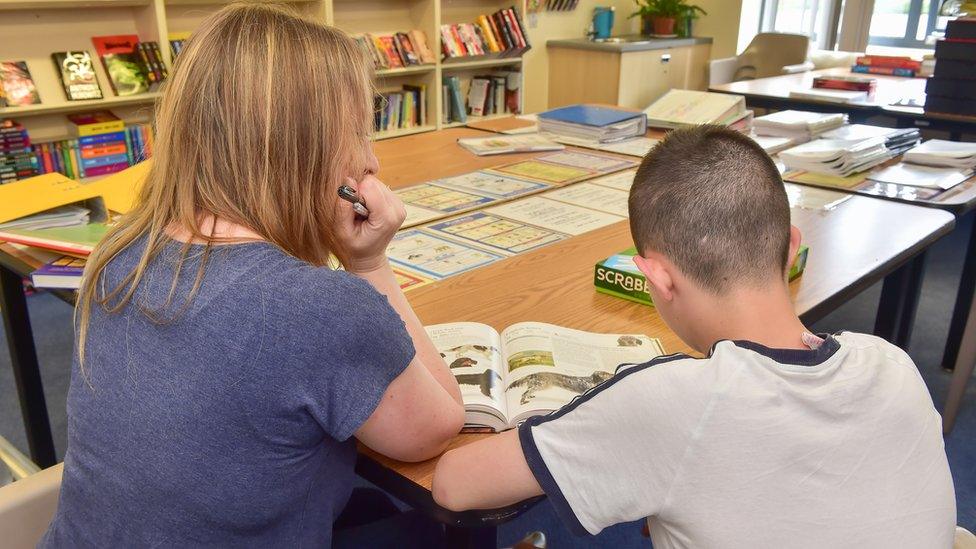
(588, 115)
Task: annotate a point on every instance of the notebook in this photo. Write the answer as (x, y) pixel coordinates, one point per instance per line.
(594, 123)
(679, 108)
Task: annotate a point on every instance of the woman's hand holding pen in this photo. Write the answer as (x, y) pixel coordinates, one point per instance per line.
(366, 238)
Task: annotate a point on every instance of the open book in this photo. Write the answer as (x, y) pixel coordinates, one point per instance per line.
(530, 368)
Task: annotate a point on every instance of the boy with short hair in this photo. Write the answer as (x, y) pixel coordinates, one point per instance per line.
(778, 438)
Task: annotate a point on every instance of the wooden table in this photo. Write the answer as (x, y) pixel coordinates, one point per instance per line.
(852, 246)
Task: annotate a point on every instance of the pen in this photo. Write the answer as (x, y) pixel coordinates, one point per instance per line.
(349, 194)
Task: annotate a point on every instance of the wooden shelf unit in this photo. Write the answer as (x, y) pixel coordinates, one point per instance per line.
(34, 29)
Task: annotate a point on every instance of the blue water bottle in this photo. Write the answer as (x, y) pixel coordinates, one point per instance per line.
(602, 22)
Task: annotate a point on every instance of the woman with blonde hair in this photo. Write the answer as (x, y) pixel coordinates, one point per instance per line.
(223, 371)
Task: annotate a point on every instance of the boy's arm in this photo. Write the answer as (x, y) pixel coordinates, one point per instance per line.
(487, 474)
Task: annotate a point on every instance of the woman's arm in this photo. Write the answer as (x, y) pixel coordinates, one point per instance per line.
(383, 279)
(369, 262)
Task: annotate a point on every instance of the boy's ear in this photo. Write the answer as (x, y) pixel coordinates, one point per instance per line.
(795, 239)
(657, 275)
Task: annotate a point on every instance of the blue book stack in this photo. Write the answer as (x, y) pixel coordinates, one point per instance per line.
(592, 123)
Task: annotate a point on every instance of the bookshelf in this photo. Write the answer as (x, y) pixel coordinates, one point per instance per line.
(33, 29)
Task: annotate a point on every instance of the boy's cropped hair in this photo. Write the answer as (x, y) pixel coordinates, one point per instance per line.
(712, 201)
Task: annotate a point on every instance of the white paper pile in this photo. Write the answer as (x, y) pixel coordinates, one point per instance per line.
(929, 177)
(829, 96)
(800, 126)
(839, 157)
(897, 140)
(64, 216)
(948, 154)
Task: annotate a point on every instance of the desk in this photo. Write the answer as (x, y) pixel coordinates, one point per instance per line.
(554, 284)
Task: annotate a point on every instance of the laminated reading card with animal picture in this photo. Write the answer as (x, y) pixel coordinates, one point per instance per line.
(425, 202)
(530, 368)
(435, 257)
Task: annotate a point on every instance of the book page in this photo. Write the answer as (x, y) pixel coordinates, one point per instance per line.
(473, 353)
(503, 235)
(554, 215)
(490, 184)
(588, 195)
(621, 180)
(436, 257)
(550, 365)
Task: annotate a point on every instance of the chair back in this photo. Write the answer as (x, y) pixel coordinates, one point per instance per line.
(768, 53)
(27, 507)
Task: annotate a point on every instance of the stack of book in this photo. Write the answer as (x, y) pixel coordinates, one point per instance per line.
(680, 108)
(599, 124)
(846, 83)
(799, 126)
(101, 143)
(950, 89)
(401, 109)
(948, 154)
(500, 34)
(396, 50)
(16, 85)
(887, 64)
(16, 158)
(897, 140)
(840, 157)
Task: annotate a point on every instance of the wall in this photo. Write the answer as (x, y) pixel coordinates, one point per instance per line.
(552, 25)
(722, 24)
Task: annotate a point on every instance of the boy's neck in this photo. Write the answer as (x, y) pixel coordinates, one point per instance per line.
(758, 315)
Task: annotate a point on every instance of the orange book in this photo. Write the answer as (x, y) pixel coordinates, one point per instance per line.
(103, 151)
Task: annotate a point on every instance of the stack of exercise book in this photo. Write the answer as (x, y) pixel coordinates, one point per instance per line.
(16, 157)
(949, 154)
(601, 124)
(682, 108)
(800, 126)
(897, 140)
(838, 157)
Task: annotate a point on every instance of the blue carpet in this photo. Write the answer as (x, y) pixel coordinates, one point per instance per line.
(52, 321)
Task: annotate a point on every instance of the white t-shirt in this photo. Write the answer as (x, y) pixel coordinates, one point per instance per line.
(753, 447)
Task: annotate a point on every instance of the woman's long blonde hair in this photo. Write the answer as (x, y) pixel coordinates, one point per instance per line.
(263, 117)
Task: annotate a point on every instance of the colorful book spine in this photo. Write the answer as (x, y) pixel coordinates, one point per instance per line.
(890, 71)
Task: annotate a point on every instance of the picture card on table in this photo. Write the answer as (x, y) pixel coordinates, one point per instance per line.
(505, 235)
(434, 256)
(554, 215)
(490, 184)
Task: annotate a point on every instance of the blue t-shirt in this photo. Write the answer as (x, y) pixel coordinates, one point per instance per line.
(230, 422)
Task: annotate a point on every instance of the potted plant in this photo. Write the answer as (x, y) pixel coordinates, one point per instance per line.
(659, 16)
(691, 13)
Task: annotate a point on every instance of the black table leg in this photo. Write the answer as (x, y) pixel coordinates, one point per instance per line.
(900, 294)
(485, 537)
(27, 374)
(964, 299)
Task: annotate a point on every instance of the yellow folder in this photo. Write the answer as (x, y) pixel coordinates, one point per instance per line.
(41, 193)
(121, 189)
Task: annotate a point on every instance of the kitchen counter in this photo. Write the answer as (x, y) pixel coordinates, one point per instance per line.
(628, 43)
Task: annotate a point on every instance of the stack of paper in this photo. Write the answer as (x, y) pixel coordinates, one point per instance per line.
(603, 124)
(679, 108)
(929, 177)
(773, 145)
(63, 216)
(949, 154)
(838, 157)
(829, 96)
(798, 125)
(503, 144)
(897, 140)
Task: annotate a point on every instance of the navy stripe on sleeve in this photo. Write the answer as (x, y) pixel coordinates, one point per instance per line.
(538, 465)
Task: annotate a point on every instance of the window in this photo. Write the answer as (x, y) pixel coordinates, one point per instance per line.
(809, 17)
(905, 23)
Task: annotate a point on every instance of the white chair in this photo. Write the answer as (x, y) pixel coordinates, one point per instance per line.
(27, 507)
(769, 54)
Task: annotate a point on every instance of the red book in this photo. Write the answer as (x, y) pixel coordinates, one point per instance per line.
(123, 62)
(389, 48)
(889, 61)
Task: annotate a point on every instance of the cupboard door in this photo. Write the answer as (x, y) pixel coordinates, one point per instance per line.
(582, 76)
(644, 76)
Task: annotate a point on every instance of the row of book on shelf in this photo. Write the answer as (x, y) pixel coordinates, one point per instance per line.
(101, 144)
(397, 50)
(499, 34)
(133, 67)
